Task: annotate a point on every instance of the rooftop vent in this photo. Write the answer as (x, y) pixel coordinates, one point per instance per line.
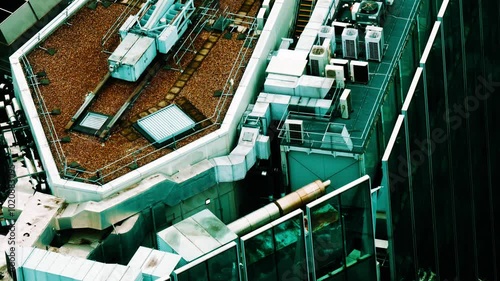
(369, 7)
(165, 125)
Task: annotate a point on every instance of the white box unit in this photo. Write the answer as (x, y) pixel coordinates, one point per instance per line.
(344, 63)
(359, 71)
(345, 104)
(336, 72)
(285, 43)
(327, 32)
(294, 131)
(260, 18)
(327, 44)
(354, 10)
(318, 59)
(350, 41)
(374, 43)
(266, 5)
(129, 22)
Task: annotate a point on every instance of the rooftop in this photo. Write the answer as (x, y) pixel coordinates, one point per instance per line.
(67, 75)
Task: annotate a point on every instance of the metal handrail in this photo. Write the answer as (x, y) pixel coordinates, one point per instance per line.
(42, 106)
(119, 21)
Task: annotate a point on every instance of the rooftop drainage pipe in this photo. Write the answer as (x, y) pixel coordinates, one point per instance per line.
(279, 208)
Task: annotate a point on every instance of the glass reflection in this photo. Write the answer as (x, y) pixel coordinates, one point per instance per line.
(277, 250)
(341, 232)
(220, 265)
(327, 237)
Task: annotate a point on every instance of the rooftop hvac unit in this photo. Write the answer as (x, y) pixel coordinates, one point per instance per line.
(338, 28)
(336, 72)
(359, 71)
(318, 59)
(350, 41)
(374, 42)
(345, 105)
(294, 131)
(370, 13)
(344, 64)
(327, 32)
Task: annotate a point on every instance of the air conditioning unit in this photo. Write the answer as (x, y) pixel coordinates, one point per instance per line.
(350, 41)
(374, 43)
(345, 105)
(336, 72)
(294, 131)
(345, 65)
(327, 32)
(359, 72)
(370, 13)
(338, 28)
(318, 59)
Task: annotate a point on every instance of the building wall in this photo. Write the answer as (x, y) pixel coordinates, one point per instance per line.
(440, 165)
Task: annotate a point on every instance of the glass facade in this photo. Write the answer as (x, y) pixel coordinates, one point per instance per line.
(276, 251)
(220, 265)
(341, 237)
(440, 160)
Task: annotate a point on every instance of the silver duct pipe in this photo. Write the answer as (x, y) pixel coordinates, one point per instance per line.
(279, 208)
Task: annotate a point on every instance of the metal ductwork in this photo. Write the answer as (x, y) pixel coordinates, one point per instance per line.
(279, 208)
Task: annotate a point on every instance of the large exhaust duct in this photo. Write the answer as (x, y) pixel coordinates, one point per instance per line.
(279, 208)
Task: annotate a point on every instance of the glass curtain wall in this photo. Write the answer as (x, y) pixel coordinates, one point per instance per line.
(340, 233)
(276, 251)
(441, 157)
(220, 265)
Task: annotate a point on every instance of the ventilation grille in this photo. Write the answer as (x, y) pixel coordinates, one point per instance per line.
(314, 67)
(374, 51)
(350, 46)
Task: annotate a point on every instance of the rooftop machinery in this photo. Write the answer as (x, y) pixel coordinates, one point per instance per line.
(155, 28)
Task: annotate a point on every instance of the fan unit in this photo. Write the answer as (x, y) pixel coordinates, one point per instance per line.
(336, 72)
(359, 71)
(318, 59)
(369, 13)
(294, 131)
(345, 105)
(327, 32)
(374, 43)
(350, 41)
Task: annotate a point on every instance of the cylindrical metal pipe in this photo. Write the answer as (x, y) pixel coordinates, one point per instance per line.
(10, 114)
(15, 106)
(278, 208)
(302, 196)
